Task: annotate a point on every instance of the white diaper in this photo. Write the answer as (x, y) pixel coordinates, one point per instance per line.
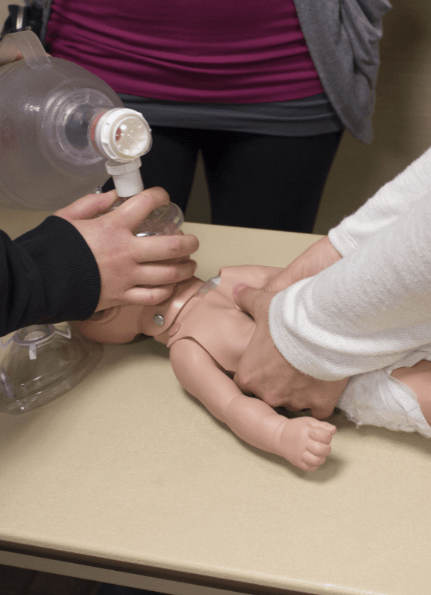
(379, 399)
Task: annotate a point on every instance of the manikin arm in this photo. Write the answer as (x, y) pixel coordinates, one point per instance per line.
(303, 441)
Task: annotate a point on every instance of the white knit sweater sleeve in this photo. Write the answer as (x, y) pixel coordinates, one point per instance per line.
(367, 310)
(392, 200)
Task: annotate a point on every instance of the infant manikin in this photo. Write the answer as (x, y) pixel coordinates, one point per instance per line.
(207, 335)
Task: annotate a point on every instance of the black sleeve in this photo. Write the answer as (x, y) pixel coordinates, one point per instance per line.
(47, 275)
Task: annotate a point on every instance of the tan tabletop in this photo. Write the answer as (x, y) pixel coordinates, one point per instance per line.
(128, 479)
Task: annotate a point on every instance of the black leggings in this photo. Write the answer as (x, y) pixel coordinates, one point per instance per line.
(254, 180)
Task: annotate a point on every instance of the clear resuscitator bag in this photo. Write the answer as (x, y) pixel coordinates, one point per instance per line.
(63, 132)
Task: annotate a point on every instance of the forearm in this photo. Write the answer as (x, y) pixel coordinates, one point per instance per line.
(47, 275)
(20, 288)
(394, 199)
(255, 422)
(365, 311)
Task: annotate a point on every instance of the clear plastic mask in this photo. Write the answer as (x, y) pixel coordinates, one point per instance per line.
(42, 362)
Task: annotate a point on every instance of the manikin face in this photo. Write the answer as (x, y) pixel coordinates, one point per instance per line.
(121, 324)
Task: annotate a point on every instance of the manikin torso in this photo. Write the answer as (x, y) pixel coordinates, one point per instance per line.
(204, 312)
(211, 319)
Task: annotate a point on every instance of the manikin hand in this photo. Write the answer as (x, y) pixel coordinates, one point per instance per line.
(305, 442)
(262, 370)
(133, 270)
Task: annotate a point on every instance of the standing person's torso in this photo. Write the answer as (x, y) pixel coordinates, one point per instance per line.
(247, 51)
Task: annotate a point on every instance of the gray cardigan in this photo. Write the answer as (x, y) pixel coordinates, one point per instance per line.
(342, 37)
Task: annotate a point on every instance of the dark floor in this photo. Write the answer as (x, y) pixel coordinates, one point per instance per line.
(18, 581)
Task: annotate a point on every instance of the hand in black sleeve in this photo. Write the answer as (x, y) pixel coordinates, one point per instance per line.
(47, 275)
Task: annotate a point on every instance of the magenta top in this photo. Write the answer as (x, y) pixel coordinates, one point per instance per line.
(229, 51)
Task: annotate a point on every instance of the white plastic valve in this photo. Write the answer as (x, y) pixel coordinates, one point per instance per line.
(122, 134)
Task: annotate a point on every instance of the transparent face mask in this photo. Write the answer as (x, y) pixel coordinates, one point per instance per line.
(42, 362)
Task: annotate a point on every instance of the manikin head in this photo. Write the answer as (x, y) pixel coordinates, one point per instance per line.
(122, 324)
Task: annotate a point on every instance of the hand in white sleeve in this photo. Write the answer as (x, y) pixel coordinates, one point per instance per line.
(367, 310)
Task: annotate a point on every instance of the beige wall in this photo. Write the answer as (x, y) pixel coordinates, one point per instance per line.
(402, 120)
(3, 10)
